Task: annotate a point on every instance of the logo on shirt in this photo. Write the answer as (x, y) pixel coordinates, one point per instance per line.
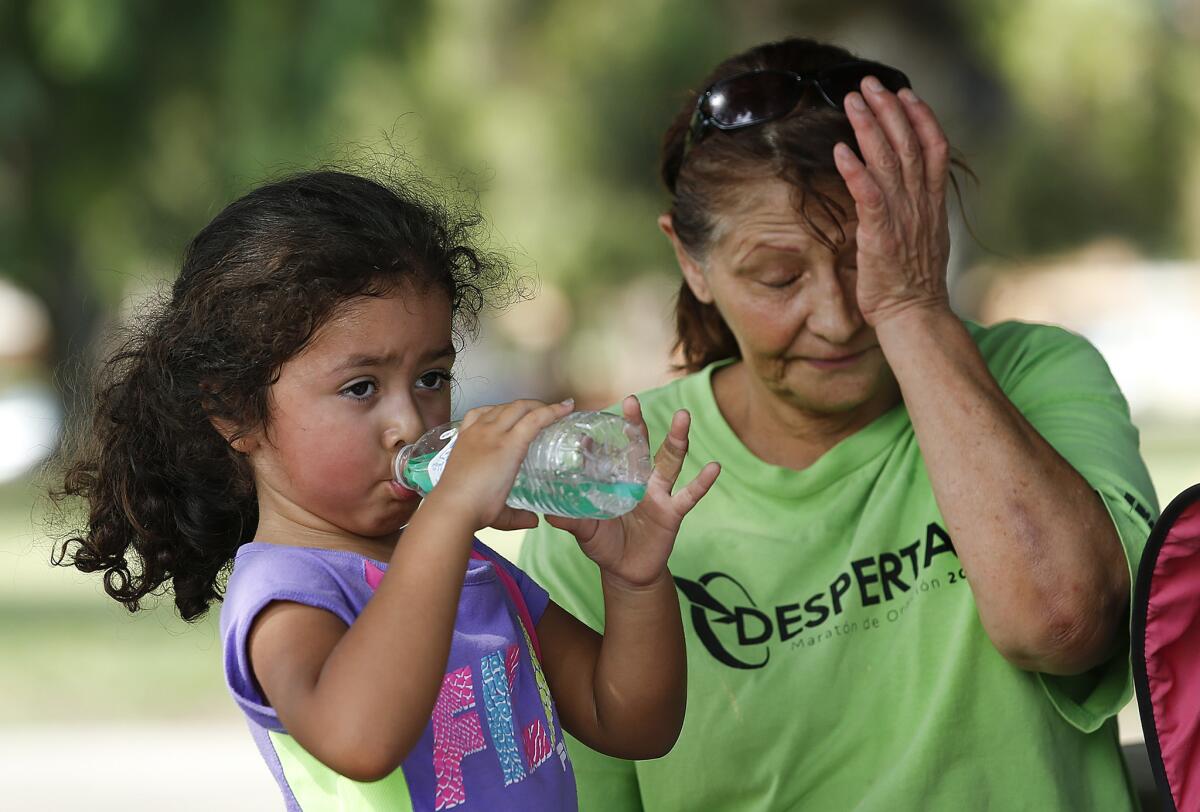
(519, 748)
(709, 609)
(737, 631)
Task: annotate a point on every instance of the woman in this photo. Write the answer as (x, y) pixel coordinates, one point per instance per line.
(909, 588)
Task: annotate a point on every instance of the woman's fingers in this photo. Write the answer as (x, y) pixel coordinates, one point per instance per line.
(869, 199)
(934, 145)
(893, 118)
(880, 158)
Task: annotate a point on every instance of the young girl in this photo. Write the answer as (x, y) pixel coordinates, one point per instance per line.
(383, 656)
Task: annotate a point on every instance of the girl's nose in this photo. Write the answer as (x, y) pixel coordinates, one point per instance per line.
(404, 426)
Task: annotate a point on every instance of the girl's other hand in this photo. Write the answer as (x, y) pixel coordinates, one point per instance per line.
(491, 445)
(634, 548)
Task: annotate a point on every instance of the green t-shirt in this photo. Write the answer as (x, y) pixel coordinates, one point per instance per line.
(835, 657)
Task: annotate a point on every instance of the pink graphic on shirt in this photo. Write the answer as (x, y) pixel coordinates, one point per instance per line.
(457, 735)
(454, 737)
(373, 574)
(512, 658)
(537, 744)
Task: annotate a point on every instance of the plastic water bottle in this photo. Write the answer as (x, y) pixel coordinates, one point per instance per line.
(591, 465)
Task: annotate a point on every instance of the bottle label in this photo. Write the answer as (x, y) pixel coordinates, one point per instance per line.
(438, 463)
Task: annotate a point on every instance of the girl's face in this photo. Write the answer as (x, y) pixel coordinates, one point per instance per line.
(790, 303)
(374, 378)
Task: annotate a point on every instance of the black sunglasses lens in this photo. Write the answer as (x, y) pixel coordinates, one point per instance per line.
(751, 98)
(839, 80)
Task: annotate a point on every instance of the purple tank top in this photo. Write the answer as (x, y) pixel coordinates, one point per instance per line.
(493, 740)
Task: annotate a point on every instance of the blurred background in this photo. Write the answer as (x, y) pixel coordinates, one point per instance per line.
(125, 125)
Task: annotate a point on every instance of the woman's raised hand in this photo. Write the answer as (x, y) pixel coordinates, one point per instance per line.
(900, 199)
(634, 548)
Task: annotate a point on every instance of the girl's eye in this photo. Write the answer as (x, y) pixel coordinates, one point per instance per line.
(434, 380)
(359, 390)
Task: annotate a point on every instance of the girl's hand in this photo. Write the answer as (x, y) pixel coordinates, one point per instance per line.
(900, 198)
(492, 442)
(634, 548)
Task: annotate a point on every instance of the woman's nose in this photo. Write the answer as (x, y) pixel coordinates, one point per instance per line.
(833, 308)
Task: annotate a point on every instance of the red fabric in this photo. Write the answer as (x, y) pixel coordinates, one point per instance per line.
(1173, 656)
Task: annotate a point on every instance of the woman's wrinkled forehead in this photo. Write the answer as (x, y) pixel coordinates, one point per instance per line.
(773, 210)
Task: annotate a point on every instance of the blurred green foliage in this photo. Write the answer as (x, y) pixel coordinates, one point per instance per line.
(125, 125)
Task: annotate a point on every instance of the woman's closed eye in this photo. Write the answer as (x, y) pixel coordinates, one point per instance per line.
(777, 280)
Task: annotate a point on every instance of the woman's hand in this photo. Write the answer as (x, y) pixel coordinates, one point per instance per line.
(633, 548)
(900, 198)
(491, 445)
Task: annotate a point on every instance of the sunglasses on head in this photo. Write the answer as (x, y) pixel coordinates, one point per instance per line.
(759, 96)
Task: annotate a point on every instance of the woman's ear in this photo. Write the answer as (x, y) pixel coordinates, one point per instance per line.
(693, 274)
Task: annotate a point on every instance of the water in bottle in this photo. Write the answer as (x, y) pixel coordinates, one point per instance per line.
(587, 465)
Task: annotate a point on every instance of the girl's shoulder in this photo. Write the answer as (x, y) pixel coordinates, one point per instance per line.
(261, 560)
(339, 581)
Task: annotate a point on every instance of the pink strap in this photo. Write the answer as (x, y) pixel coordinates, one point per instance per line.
(1172, 651)
(518, 599)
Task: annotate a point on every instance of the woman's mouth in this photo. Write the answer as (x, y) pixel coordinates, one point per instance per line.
(832, 362)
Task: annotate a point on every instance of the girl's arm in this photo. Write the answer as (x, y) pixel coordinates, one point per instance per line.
(624, 693)
(358, 698)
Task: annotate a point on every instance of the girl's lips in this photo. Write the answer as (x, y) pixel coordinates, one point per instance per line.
(402, 493)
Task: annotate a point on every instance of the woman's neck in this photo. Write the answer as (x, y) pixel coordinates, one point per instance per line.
(777, 430)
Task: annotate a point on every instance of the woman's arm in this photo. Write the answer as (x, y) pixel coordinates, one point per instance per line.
(1041, 554)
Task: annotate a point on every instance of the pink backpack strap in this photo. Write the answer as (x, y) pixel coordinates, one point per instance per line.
(518, 599)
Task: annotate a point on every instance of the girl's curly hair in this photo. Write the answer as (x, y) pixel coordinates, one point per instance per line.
(168, 499)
